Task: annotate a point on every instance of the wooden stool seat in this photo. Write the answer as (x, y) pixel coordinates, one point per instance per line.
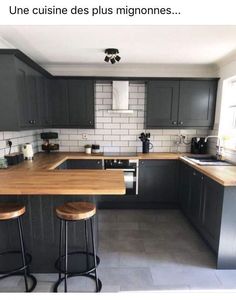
(11, 210)
(74, 211)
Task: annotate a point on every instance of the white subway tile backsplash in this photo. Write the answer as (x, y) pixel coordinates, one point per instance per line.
(128, 137)
(120, 143)
(129, 126)
(119, 131)
(111, 137)
(112, 126)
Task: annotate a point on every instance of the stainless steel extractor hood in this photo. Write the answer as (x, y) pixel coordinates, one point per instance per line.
(120, 97)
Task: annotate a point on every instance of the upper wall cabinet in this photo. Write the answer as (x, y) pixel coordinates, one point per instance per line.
(19, 97)
(181, 103)
(72, 103)
(162, 104)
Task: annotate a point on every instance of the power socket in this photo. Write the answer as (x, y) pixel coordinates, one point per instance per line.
(84, 136)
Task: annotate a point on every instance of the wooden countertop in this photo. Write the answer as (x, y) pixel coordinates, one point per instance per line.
(224, 175)
(62, 182)
(38, 177)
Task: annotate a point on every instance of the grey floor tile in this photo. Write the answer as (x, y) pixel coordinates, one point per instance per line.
(227, 278)
(110, 288)
(121, 245)
(138, 278)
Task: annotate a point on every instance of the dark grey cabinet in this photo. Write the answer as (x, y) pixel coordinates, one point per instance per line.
(202, 202)
(81, 103)
(81, 164)
(197, 102)
(72, 103)
(19, 95)
(59, 103)
(162, 104)
(44, 101)
(158, 181)
(196, 186)
(184, 187)
(211, 211)
(180, 103)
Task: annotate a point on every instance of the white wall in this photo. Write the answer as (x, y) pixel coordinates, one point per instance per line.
(226, 70)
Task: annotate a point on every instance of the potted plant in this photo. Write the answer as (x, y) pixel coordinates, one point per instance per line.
(88, 149)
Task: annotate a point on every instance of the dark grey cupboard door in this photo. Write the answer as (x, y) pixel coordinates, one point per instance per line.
(81, 103)
(212, 201)
(81, 164)
(33, 94)
(197, 103)
(43, 101)
(59, 103)
(162, 104)
(158, 180)
(23, 100)
(184, 187)
(196, 186)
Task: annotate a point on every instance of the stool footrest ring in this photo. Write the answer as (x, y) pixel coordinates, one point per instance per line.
(59, 281)
(87, 259)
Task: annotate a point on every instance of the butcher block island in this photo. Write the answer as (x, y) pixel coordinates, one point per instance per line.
(42, 189)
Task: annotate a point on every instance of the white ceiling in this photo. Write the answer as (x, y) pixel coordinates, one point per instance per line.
(84, 45)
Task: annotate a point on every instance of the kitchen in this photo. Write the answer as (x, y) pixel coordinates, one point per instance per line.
(174, 228)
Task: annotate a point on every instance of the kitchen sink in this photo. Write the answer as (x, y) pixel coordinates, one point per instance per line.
(207, 160)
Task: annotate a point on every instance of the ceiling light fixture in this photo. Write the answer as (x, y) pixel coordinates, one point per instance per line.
(112, 55)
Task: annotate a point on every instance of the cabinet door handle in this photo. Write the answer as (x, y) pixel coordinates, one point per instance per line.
(194, 173)
(181, 123)
(31, 121)
(98, 162)
(174, 122)
(90, 122)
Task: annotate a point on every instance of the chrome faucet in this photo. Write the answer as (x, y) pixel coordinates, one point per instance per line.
(219, 148)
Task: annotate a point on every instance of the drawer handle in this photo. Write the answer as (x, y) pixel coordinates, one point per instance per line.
(181, 123)
(174, 122)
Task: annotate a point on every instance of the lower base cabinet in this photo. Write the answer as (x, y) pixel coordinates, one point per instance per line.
(158, 181)
(201, 200)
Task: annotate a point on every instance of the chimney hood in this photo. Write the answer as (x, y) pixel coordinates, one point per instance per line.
(120, 97)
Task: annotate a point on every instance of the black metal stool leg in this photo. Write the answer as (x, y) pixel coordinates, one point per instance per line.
(86, 241)
(94, 254)
(66, 256)
(23, 252)
(60, 248)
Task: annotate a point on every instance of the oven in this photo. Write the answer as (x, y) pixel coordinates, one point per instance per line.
(130, 169)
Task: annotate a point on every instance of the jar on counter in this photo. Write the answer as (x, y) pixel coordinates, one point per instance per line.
(95, 149)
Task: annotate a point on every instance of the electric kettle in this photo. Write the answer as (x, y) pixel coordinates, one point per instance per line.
(28, 151)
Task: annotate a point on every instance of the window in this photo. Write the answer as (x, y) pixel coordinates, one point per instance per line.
(228, 115)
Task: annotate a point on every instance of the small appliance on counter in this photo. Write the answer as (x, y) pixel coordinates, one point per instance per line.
(95, 149)
(14, 158)
(28, 152)
(198, 145)
(147, 145)
(46, 146)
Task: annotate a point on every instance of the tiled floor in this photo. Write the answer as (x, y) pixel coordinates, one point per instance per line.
(145, 250)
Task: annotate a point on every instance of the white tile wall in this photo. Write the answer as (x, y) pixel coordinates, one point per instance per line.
(119, 132)
(18, 138)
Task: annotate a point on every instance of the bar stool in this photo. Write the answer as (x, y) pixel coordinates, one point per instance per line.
(14, 211)
(74, 212)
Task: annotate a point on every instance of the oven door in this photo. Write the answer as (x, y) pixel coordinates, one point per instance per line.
(130, 180)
